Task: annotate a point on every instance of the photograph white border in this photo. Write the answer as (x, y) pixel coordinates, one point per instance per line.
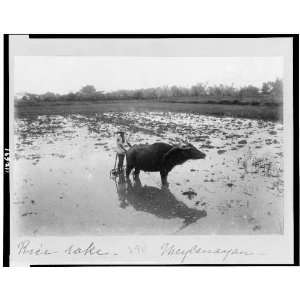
(264, 249)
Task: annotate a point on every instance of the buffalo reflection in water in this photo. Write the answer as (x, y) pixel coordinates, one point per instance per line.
(159, 202)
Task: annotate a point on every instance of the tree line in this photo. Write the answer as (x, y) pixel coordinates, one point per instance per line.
(271, 91)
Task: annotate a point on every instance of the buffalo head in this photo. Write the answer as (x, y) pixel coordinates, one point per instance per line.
(191, 152)
(180, 154)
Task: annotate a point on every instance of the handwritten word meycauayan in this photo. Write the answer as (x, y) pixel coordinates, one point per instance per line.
(183, 253)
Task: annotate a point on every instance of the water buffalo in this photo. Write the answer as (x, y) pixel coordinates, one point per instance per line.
(159, 157)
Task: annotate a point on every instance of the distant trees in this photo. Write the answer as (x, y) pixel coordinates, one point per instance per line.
(49, 96)
(249, 91)
(31, 97)
(274, 88)
(277, 88)
(88, 90)
(266, 88)
(198, 89)
(271, 90)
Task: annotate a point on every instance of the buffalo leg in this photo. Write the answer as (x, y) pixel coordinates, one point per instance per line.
(128, 170)
(137, 183)
(136, 173)
(164, 176)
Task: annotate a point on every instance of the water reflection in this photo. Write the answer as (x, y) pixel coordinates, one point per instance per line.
(121, 187)
(160, 202)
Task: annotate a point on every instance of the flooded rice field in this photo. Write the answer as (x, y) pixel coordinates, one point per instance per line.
(62, 185)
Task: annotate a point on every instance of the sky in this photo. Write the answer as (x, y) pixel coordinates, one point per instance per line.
(64, 74)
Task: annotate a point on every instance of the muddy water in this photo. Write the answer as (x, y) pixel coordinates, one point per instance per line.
(62, 186)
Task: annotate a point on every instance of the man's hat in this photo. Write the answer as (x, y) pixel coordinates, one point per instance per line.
(120, 132)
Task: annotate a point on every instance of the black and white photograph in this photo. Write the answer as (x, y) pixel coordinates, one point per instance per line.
(150, 151)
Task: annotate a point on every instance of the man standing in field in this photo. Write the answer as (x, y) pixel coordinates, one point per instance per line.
(121, 150)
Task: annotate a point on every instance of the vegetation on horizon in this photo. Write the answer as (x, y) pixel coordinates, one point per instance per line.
(270, 93)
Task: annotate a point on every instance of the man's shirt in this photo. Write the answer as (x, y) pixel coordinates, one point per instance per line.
(120, 145)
